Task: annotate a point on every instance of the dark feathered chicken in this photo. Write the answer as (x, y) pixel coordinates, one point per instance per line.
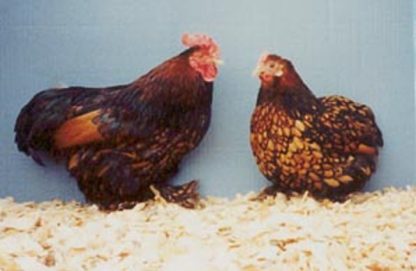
(119, 140)
(327, 146)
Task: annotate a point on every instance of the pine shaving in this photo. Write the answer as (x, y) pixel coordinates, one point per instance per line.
(370, 231)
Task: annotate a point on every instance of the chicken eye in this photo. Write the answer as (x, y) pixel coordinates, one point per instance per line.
(272, 65)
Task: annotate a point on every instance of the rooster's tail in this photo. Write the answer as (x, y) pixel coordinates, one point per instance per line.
(39, 118)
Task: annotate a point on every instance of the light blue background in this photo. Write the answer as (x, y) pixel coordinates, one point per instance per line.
(360, 49)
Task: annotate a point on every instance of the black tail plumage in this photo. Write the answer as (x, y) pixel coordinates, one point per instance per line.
(39, 118)
(49, 109)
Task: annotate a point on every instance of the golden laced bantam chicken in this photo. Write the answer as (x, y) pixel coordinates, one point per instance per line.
(327, 146)
(120, 140)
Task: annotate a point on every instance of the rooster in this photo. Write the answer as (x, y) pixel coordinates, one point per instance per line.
(327, 146)
(119, 141)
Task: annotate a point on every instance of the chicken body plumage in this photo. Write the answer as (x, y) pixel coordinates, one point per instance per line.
(117, 141)
(327, 146)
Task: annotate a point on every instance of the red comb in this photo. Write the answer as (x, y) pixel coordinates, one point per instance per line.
(202, 40)
(263, 57)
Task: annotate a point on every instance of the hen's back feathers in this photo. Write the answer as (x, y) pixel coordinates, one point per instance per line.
(355, 122)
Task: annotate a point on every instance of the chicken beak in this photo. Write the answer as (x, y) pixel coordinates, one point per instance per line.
(218, 61)
(257, 71)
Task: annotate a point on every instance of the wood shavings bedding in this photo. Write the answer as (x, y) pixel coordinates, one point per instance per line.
(371, 231)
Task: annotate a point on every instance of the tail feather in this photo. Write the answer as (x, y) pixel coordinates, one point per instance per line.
(39, 119)
(380, 141)
(49, 109)
(24, 132)
(356, 175)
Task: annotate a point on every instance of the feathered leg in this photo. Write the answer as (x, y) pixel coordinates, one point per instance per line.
(118, 179)
(185, 195)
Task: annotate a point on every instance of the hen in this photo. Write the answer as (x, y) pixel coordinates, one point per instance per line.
(327, 146)
(120, 140)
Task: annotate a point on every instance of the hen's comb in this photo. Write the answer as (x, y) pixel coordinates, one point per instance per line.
(263, 57)
(201, 40)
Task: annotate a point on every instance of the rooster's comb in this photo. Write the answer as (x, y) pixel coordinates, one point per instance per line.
(201, 40)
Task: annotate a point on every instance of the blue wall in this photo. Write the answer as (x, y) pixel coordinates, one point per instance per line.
(364, 51)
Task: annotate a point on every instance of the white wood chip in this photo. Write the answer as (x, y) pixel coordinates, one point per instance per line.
(370, 231)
